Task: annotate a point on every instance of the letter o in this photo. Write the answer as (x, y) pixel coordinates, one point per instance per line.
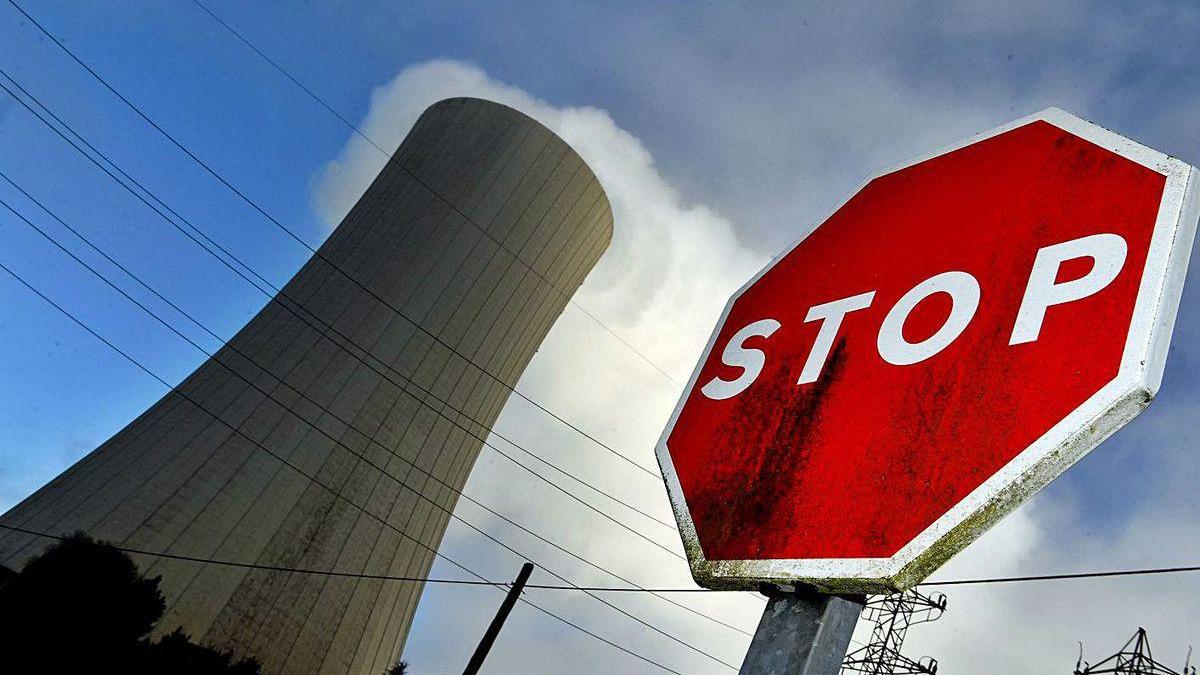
(963, 290)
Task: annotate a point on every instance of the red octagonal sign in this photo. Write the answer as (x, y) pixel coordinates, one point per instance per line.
(944, 344)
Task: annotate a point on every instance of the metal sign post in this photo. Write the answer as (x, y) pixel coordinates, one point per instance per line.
(802, 632)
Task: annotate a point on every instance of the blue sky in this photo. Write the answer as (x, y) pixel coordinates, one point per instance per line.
(755, 118)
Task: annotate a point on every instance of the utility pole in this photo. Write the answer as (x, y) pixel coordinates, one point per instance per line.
(802, 632)
(1134, 658)
(893, 615)
(489, 636)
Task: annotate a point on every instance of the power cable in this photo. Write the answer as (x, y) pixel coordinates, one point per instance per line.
(621, 589)
(598, 637)
(502, 517)
(386, 155)
(327, 327)
(382, 470)
(315, 252)
(177, 308)
(316, 481)
(198, 405)
(355, 575)
(1060, 577)
(268, 568)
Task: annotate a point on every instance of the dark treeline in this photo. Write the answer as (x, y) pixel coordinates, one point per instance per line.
(83, 607)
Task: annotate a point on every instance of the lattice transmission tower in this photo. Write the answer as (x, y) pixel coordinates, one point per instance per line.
(893, 615)
(1133, 659)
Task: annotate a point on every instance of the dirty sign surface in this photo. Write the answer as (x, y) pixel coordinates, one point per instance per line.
(948, 341)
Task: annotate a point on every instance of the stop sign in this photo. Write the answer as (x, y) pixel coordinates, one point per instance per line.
(949, 340)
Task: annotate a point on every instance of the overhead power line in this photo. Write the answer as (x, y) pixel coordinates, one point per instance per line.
(283, 404)
(269, 568)
(370, 440)
(272, 291)
(173, 389)
(329, 489)
(330, 328)
(275, 293)
(397, 311)
(440, 413)
(348, 424)
(598, 637)
(358, 132)
(386, 155)
(316, 253)
(612, 589)
(1061, 577)
(361, 575)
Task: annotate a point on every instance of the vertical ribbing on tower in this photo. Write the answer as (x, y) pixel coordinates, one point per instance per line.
(477, 230)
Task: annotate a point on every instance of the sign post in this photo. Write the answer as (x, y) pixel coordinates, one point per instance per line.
(802, 632)
(948, 341)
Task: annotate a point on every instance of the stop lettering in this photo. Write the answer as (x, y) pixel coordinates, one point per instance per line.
(1105, 251)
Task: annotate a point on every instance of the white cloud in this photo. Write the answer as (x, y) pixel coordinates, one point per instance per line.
(670, 263)
(661, 286)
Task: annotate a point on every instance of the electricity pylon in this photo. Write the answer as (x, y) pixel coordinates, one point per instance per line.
(893, 615)
(1133, 659)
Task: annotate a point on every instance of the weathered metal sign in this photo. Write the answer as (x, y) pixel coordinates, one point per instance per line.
(949, 340)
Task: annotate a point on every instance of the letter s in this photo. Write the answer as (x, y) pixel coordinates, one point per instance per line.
(751, 361)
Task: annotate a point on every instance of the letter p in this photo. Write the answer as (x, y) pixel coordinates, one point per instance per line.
(1108, 253)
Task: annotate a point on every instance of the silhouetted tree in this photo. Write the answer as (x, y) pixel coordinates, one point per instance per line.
(174, 653)
(400, 668)
(79, 597)
(6, 575)
(82, 606)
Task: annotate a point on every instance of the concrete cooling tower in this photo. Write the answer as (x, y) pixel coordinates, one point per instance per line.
(334, 431)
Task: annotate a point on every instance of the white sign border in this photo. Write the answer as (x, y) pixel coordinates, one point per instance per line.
(1109, 409)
